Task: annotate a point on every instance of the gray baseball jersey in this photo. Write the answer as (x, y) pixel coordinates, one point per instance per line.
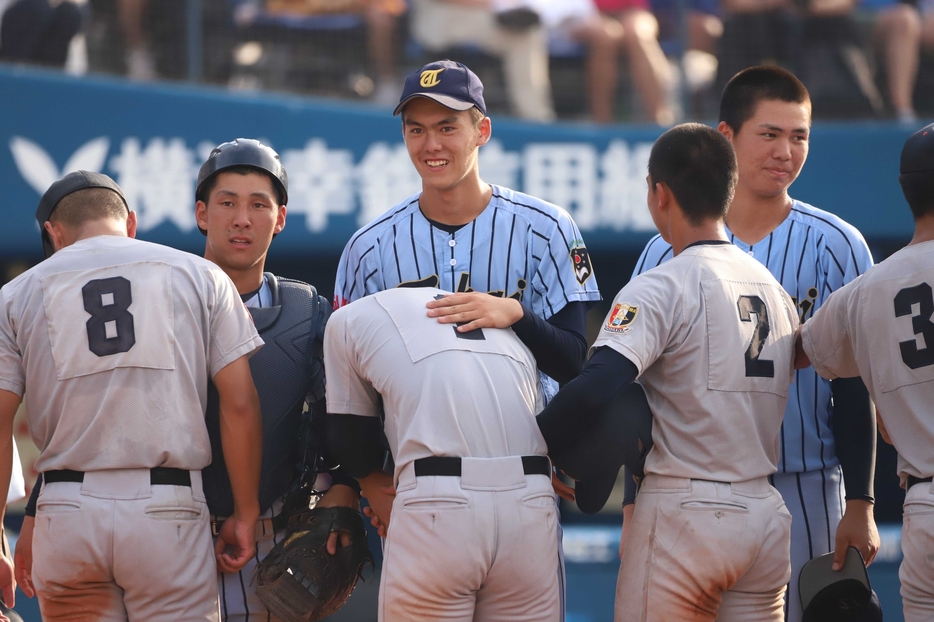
(711, 332)
(113, 340)
(880, 328)
(487, 409)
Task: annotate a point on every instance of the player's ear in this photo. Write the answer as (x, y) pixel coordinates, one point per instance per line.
(726, 130)
(131, 225)
(280, 220)
(201, 215)
(56, 235)
(486, 130)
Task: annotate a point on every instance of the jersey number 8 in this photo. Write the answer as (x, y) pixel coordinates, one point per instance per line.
(110, 328)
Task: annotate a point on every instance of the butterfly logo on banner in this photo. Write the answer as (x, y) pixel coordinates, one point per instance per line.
(39, 169)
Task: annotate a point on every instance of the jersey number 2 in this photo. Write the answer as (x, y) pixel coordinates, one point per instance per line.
(921, 323)
(110, 329)
(756, 367)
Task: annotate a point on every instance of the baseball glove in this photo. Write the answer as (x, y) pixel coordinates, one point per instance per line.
(299, 581)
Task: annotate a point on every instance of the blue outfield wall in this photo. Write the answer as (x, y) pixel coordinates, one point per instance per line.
(347, 163)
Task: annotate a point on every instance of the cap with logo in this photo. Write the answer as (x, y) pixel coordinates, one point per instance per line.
(844, 595)
(450, 84)
(72, 182)
(918, 152)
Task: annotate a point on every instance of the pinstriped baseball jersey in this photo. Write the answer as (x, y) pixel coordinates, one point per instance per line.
(811, 253)
(113, 341)
(519, 246)
(880, 328)
(711, 311)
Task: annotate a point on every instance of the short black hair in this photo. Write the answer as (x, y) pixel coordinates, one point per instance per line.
(918, 188)
(208, 187)
(744, 91)
(87, 205)
(698, 165)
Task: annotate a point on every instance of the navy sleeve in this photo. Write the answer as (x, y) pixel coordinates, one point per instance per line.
(582, 401)
(631, 488)
(558, 344)
(854, 432)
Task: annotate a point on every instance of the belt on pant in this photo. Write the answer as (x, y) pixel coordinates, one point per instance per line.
(912, 480)
(159, 476)
(443, 465)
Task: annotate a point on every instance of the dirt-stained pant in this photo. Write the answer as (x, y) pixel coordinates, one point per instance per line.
(700, 550)
(482, 546)
(916, 572)
(114, 547)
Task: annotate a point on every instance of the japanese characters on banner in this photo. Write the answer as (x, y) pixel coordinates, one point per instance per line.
(347, 163)
(601, 189)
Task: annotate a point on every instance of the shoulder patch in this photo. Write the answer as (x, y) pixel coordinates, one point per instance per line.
(580, 260)
(622, 316)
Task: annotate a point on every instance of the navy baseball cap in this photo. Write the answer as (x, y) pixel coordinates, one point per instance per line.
(450, 84)
(844, 595)
(918, 152)
(72, 182)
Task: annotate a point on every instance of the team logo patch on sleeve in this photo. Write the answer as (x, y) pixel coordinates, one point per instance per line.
(581, 262)
(622, 316)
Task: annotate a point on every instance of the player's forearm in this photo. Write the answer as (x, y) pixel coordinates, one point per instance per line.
(558, 344)
(9, 402)
(854, 431)
(583, 400)
(241, 435)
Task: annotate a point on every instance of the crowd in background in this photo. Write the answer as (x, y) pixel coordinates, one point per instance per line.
(656, 61)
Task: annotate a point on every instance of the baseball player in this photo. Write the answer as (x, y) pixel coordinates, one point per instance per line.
(462, 235)
(709, 334)
(112, 342)
(241, 205)
(766, 114)
(879, 326)
(473, 534)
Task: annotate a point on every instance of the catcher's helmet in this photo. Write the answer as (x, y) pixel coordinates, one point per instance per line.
(622, 435)
(244, 152)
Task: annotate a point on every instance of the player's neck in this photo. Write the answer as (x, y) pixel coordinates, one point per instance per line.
(751, 218)
(458, 205)
(924, 230)
(685, 234)
(244, 279)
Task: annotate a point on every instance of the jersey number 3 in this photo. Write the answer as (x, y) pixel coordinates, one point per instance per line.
(756, 367)
(110, 328)
(922, 296)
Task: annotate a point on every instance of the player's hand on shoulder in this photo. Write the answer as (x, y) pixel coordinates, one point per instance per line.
(474, 310)
(236, 544)
(857, 528)
(22, 557)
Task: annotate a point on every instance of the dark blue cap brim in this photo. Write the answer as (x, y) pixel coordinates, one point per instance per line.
(445, 100)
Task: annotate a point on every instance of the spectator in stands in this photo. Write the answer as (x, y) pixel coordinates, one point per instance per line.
(438, 25)
(927, 26)
(382, 17)
(139, 60)
(38, 31)
(624, 26)
(756, 32)
(897, 39)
